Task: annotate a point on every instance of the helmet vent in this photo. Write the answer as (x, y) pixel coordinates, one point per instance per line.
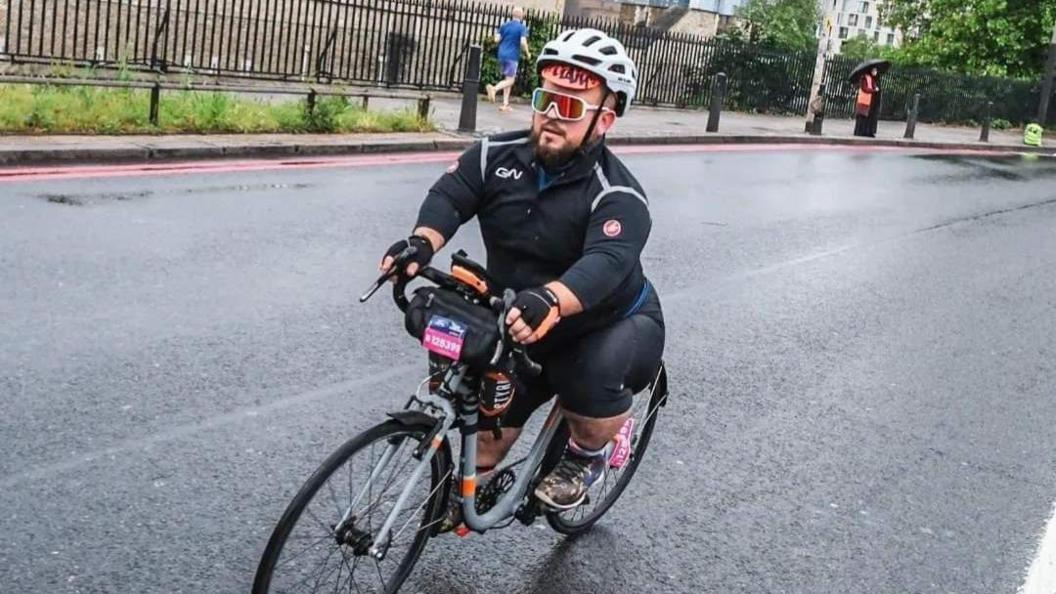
(591, 41)
(587, 59)
(609, 50)
(618, 68)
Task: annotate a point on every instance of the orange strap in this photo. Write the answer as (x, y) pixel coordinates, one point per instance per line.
(552, 318)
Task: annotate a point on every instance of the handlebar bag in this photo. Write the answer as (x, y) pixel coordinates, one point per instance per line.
(451, 326)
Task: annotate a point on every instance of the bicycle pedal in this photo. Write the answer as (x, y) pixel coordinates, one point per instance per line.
(462, 531)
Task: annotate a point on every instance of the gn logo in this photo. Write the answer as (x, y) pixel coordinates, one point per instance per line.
(505, 173)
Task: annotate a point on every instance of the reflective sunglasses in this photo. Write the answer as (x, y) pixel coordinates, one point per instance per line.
(569, 107)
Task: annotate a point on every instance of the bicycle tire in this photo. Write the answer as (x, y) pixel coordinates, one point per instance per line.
(566, 526)
(440, 472)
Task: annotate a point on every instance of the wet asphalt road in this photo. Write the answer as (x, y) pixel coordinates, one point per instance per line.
(862, 348)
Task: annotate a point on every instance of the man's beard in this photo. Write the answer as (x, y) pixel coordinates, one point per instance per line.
(552, 159)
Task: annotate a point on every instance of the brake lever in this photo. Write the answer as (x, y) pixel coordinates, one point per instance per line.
(377, 285)
(397, 263)
(508, 297)
(521, 358)
(525, 362)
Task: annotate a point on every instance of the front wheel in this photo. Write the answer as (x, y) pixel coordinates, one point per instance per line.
(322, 542)
(607, 490)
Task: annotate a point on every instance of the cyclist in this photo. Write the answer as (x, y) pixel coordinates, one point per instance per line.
(564, 223)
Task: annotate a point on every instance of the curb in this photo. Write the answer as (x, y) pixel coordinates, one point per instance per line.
(455, 143)
(736, 139)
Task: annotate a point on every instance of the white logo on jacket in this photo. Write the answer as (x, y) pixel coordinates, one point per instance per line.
(505, 173)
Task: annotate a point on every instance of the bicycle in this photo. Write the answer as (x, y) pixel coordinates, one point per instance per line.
(364, 530)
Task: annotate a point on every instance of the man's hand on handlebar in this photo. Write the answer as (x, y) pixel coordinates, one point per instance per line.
(422, 255)
(533, 314)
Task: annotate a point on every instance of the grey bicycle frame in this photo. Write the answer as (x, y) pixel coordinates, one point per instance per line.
(503, 509)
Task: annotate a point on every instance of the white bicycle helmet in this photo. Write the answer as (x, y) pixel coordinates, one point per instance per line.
(597, 53)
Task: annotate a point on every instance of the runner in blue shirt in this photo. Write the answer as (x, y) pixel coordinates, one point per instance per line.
(512, 38)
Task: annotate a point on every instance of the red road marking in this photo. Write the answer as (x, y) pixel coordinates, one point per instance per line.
(60, 172)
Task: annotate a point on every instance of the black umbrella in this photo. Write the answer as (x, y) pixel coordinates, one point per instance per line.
(882, 66)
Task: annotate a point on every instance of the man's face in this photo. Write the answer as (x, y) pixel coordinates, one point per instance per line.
(556, 140)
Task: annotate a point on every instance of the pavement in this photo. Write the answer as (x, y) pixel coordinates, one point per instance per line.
(643, 125)
(861, 346)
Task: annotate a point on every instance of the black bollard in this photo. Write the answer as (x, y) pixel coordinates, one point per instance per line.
(718, 97)
(911, 120)
(984, 136)
(311, 102)
(155, 99)
(467, 120)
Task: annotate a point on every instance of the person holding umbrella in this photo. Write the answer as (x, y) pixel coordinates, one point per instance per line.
(867, 107)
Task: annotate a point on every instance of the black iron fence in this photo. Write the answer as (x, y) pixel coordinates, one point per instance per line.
(945, 96)
(421, 44)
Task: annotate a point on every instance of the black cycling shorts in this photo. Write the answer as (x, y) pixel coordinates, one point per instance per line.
(597, 374)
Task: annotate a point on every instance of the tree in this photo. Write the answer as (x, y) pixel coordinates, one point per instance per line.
(785, 24)
(862, 48)
(990, 37)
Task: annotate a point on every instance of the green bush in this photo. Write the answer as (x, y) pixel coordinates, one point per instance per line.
(90, 110)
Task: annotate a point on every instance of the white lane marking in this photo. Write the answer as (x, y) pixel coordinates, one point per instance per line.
(1041, 577)
(231, 418)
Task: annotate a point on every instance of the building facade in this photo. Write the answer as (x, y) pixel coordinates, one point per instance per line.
(859, 18)
(699, 17)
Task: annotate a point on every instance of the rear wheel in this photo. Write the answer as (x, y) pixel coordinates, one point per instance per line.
(311, 550)
(607, 490)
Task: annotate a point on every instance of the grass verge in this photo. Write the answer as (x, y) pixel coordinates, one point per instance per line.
(42, 109)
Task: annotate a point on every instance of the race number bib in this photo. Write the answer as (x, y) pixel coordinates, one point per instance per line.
(444, 337)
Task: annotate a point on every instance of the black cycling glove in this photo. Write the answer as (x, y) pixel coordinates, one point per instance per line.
(539, 310)
(422, 257)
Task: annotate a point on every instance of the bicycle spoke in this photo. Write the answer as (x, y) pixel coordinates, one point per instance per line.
(439, 486)
(307, 537)
(371, 507)
(370, 490)
(340, 567)
(333, 498)
(321, 523)
(351, 572)
(317, 568)
(380, 578)
(355, 564)
(303, 551)
(395, 472)
(351, 491)
(323, 572)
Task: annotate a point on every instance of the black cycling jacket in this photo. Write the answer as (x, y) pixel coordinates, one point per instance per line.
(586, 227)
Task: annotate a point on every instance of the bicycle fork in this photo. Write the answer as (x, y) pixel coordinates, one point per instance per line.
(383, 538)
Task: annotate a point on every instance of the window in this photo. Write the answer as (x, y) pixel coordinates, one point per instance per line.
(864, 7)
(869, 22)
(852, 20)
(876, 36)
(843, 32)
(890, 39)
